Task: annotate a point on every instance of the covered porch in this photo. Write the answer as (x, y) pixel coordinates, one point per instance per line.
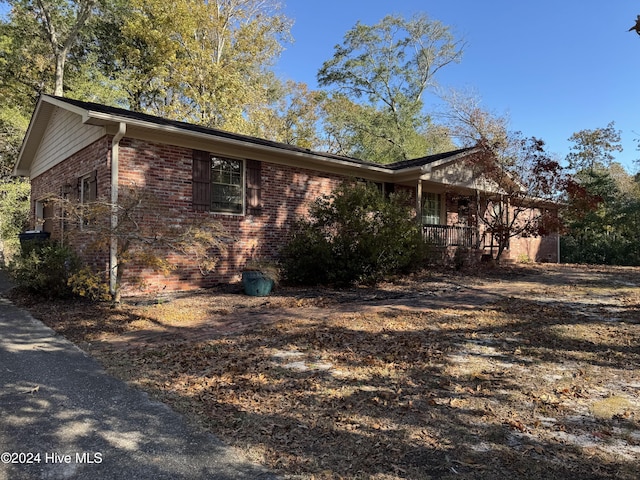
(457, 207)
(448, 216)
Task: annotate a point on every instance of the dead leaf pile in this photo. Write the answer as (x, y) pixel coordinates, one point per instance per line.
(541, 383)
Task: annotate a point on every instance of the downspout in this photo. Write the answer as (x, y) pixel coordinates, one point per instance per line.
(113, 243)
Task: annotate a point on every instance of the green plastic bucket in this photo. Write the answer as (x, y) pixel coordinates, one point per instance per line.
(256, 284)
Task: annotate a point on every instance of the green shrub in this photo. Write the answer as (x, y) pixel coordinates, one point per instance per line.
(14, 214)
(354, 235)
(88, 284)
(523, 258)
(599, 249)
(45, 269)
(306, 256)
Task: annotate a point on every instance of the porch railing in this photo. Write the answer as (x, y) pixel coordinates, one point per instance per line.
(451, 236)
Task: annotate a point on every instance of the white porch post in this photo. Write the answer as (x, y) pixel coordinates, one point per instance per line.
(419, 202)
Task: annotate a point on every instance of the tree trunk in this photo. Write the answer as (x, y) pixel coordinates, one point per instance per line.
(502, 245)
(61, 46)
(59, 75)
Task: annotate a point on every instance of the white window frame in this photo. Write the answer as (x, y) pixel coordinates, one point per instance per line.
(243, 201)
(84, 223)
(39, 215)
(432, 208)
(83, 179)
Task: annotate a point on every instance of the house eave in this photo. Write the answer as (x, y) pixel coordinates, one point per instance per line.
(220, 142)
(29, 147)
(237, 147)
(39, 121)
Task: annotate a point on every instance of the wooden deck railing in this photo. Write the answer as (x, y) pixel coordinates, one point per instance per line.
(451, 236)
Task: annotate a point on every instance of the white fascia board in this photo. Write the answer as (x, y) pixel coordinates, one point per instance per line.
(39, 122)
(35, 130)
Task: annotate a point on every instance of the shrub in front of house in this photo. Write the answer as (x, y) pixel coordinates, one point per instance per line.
(87, 284)
(44, 269)
(306, 256)
(355, 235)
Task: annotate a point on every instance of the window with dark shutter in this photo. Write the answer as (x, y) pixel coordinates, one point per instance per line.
(254, 187)
(201, 181)
(219, 184)
(227, 187)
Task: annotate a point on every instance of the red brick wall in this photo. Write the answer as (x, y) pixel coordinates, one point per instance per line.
(166, 171)
(534, 249)
(64, 178)
(527, 248)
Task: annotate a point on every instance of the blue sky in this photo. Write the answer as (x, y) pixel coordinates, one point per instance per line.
(554, 67)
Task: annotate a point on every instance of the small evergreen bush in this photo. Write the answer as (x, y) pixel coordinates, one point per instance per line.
(308, 255)
(45, 269)
(354, 235)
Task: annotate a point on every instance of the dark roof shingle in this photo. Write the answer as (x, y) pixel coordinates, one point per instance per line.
(189, 127)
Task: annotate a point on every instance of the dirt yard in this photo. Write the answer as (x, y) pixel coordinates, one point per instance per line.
(523, 373)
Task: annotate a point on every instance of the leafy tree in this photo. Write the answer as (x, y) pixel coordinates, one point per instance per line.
(13, 124)
(379, 76)
(25, 65)
(470, 123)
(60, 25)
(291, 116)
(603, 203)
(524, 181)
(14, 213)
(92, 73)
(603, 217)
(594, 148)
(526, 186)
(16, 96)
(203, 62)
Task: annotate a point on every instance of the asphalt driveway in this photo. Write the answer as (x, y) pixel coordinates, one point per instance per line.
(63, 417)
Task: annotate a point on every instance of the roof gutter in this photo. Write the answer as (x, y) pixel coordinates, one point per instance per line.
(99, 118)
(113, 244)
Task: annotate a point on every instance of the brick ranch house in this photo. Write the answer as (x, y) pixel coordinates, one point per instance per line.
(255, 188)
